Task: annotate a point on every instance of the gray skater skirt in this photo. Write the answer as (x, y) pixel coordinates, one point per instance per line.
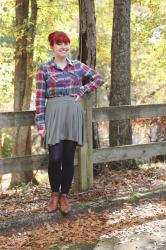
(64, 120)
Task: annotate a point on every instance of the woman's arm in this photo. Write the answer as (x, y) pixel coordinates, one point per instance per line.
(40, 99)
(95, 80)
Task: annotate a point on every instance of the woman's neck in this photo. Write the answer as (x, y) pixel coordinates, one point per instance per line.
(60, 61)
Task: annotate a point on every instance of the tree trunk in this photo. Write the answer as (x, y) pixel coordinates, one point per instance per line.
(120, 132)
(29, 80)
(0, 143)
(23, 80)
(22, 10)
(87, 47)
(0, 151)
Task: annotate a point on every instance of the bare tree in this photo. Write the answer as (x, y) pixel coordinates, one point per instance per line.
(0, 151)
(120, 132)
(23, 79)
(87, 47)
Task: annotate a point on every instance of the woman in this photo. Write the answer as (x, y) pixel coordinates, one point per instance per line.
(59, 115)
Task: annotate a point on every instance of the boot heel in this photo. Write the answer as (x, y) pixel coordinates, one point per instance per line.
(53, 202)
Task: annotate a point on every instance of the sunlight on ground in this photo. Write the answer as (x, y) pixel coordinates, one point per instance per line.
(41, 176)
(6, 178)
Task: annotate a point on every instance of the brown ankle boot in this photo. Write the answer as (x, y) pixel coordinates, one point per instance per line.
(53, 202)
(65, 207)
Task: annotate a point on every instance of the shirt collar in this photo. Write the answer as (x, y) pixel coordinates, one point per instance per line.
(53, 63)
(69, 61)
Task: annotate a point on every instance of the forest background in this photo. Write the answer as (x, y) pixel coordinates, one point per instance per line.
(148, 50)
(148, 44)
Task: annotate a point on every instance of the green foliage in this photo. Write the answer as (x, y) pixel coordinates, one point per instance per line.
(148, 44)
(24, 186)
(7, 147)
(136, 196)
(148, 51)
(7, 41)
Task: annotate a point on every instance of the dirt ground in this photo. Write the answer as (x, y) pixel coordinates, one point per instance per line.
(90, 227)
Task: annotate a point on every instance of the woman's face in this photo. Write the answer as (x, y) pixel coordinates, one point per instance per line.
(61, 49)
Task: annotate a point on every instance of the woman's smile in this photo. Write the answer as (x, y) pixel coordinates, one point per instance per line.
(61, 48)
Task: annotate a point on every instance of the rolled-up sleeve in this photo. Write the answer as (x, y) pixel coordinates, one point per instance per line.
(40, 98)
(95, 80)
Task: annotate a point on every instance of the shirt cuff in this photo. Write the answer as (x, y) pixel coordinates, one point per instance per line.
(41, 127)
(81, 92)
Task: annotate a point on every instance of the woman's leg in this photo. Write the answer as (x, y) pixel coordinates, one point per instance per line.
(69, 148)
(54, 166)
(67, 174)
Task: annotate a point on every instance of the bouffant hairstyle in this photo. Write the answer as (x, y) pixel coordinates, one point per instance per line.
(58, 37)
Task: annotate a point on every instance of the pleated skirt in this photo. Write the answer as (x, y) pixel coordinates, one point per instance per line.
(64, 121)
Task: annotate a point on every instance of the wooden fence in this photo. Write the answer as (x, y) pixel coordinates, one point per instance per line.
(86, 156)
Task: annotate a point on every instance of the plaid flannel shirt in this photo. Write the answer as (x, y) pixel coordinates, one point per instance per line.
(51, 81)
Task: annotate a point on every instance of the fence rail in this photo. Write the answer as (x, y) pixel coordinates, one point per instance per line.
(128, 112)
(26, 118)
(86, 155)
(103, 155)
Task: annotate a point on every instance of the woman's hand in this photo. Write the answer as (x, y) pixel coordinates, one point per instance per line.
(77, 98)
(42, 132)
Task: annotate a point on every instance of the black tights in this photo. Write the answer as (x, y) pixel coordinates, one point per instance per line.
(61, 166)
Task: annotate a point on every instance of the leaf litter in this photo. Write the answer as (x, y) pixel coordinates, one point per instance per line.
(147, 216)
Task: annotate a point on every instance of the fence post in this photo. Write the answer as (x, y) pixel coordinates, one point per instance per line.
(84, 170)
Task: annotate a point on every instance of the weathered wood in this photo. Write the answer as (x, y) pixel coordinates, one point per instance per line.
(129, 152)
(84, 174)
(16, 119)
(84, 170)
(26, 118)
(25, 163)
(128, 112)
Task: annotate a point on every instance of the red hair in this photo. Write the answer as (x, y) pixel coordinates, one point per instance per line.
(58, 37)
